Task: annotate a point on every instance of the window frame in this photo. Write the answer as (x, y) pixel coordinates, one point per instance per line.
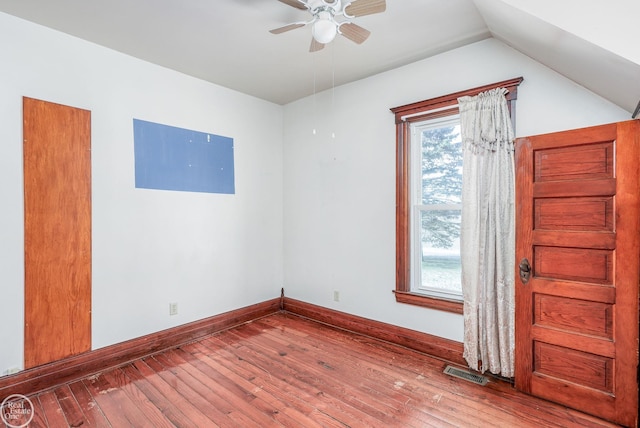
(446, 105)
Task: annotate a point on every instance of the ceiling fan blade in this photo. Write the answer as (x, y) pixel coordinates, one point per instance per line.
(365, 7)
(287, 28)
(295, 3)
(354, 32)
(315, 45)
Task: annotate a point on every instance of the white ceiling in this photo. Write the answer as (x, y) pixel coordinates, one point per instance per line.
(227, 42)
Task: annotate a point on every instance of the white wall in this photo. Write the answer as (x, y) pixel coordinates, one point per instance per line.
(209, 252)
(339, 194)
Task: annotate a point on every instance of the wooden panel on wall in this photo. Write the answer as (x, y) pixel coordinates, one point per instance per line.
(57, 203)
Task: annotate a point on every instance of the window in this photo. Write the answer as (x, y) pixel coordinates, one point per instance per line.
(427, 212)
(436, 205)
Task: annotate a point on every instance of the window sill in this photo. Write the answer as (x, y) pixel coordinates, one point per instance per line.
(429, 302)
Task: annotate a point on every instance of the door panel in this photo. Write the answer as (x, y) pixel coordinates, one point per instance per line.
(574, 264)
(580, 316)
(577, 220)
(57, 203)
(579, 214)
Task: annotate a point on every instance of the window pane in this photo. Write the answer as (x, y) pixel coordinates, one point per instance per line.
(441, 165)
(440, 251)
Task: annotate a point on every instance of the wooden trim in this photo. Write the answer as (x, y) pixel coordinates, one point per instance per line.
(404, 116)
(429, 302)
(80, 366)
(445, 101)
(438, 347)
(403, 245)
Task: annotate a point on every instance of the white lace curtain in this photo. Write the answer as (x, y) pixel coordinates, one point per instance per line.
(487, 234)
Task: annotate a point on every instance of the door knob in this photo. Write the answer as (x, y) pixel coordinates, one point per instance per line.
(525, 270)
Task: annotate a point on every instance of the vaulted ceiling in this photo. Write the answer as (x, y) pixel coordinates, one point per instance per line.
(227, 42)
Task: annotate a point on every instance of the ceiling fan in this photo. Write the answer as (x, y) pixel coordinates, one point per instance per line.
(332, 17)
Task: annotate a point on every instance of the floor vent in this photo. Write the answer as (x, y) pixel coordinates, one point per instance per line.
(466, 375)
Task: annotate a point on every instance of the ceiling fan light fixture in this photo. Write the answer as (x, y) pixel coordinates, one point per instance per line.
(324, 29)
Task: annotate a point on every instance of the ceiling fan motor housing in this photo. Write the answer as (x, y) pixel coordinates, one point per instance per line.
(315, 4)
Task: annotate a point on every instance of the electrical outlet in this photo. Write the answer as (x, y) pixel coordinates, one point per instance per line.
(336, 296)
(173, 309)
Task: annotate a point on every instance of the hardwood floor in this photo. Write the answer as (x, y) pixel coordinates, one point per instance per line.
(283, 370)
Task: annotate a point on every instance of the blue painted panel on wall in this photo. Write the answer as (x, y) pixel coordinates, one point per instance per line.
(171, 158)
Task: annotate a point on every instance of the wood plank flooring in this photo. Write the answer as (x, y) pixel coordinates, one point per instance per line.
(283, 370)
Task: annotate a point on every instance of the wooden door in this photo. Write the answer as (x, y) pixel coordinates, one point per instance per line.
(578, 225)
(57, 216)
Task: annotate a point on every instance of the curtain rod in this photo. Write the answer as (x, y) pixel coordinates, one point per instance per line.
(451, 107)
